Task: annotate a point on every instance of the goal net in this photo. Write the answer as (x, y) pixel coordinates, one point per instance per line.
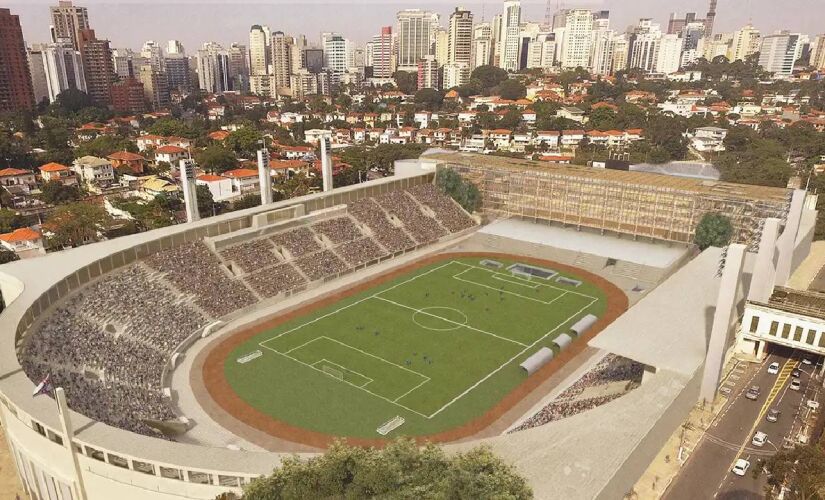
(390, 425)
(333, 372)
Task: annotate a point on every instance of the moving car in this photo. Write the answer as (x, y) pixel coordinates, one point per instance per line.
(773, 369)
(759, 439)
(773, 415)
(741, 467)
(795, 384)
(753, 393)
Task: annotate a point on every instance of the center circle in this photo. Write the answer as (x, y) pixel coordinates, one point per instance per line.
(430, 317)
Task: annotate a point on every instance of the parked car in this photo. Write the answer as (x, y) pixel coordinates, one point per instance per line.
(814, 405)
(773, 415)
(759, 439)
(740, 468)
(795, 384)
(806, 361)
(753, 393)
(796, 374)
(773, 368)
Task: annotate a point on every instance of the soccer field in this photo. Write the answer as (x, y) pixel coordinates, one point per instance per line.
(437, 346)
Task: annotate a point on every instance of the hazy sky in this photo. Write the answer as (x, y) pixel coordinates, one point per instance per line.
(129, 23)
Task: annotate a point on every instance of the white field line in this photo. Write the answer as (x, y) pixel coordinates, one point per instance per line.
(411, 390)
(421, 311)
(353, 304)
(376, 357)
(540, 284)
(532, 286)
(343, 368)
(511, 360)
(362, 388)
(545, 302)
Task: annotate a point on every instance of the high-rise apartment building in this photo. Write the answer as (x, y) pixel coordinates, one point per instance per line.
(578, 29)
(174, 47)
(259, 50)
(381, 56)
(621, 52)
(63, 68)
(482, 53)
(818, 54)
(778, 53)
(510, 35)
(602, 51)
(97, 66)
(314, 60)
(128, 96)
(644, 45)
(281, 59)
(155, 86)
(124, 63)
(441, 46)
(669, 54)
(455, 75)
(152, 53)
(40, 88)
(416, 36)
(745, 43)
(68, 21)
(177, 72)
(460, 37)
(336, 52)
(428, 73)
(238, 67)
(15, 77)
(213, 69)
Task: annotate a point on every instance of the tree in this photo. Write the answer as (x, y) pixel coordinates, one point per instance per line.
(246, 201)
(400, 470)
(10, 220)
(76, 223)
(603, 119)
(512, 89)
(105, 145)
(72, 101)
(5, 257)
(462, 191)
(430, 98)
(244, 141)
(216, 159)
(713, 230)
(406, 81)
(801, 470)
(488, 76)
(55, 193)
(206, 204)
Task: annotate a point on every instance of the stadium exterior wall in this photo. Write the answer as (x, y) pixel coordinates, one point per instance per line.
(115, 463)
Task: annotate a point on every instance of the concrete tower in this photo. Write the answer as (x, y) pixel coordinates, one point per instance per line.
(190, 189)
(326, 163)
(264, 176)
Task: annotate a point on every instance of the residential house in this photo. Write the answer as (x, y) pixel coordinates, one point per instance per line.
(25, 242)
(170, 154)
(58, 173)
(709, 139)
(18, 179)
(550, 138)
(572, 137)
(244, 180)
(145, 142)
(501, 138)
(125, 162)
(572, 113)
(219, 186)
(94, 171)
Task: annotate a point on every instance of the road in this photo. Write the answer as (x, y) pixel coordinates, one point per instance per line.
(707, 473)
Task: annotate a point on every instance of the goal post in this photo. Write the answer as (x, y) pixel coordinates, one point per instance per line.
(332, 372)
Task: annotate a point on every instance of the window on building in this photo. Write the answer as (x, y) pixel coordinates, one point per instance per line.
(811, 337)
(786, 331)
(754, 324)
(797, 333)
(774, 328)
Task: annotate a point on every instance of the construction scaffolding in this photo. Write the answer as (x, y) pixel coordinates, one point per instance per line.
(642, 204)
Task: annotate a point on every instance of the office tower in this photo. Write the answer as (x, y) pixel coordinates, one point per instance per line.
(510, 35)
(63, 68)
(336, 52)
(238, 67)
(174, 47)
(155, 86)
(460, 37)
(259, 50)
(578, 28)
(675, 24)
(314, 60)
(428, 73)
(303, 83)
(382, 60)
(482, 53)
(68, 21)
(818, 55)
(718, 45)
(15, 77)
(602, 51)
(416, 32)
(745, 43)
(621, 52)
(710, 18)
(540, 49)
(441, 46)
(693, 33)
(281, 59)
(153, 54)
(778, 53)
(644, 45)
(177, 72)
(97, 66)
(669, 54)
(124, 63)
(40, 88)
(128, 96)
(213, 69)
(496, 37)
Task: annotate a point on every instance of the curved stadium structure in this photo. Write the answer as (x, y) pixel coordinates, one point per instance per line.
(194, 357)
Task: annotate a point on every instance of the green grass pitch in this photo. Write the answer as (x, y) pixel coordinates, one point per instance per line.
(437, 346)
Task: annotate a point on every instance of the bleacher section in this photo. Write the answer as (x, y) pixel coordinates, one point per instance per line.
(109, 343)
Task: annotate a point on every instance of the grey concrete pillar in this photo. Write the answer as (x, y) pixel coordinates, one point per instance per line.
(326, 163)
(264, 177)
(723, 319)
(190, 190)
(787, 240)
(68, 440)
(764, 272)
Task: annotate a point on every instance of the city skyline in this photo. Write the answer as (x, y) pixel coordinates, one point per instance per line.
(364, 19)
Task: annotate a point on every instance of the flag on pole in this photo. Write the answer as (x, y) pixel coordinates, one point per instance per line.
(44, 387)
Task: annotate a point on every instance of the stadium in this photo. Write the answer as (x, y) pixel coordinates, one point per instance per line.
(193, 358)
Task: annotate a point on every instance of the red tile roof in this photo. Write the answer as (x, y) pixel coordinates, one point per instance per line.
(169, 149)
(53, 167)
(210, 178)
(239, 173)
(218, 135)
(10, 172)
(125, 156)
(22, 234)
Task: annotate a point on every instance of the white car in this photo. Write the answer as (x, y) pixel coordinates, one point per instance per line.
(741, 467)
(773, 369)
(806, 361)
(759, 439)
(795, 384)
(814, 405)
